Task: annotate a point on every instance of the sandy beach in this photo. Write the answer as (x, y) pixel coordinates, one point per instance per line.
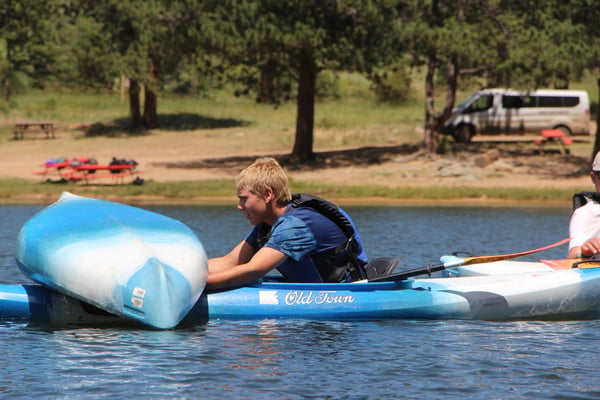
(192, 155)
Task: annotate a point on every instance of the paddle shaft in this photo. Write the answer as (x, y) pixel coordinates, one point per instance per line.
(460, 262)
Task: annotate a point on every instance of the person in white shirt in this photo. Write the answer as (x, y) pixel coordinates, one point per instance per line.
(584, 228)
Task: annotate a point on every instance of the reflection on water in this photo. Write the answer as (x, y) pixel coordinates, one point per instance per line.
(274, 359)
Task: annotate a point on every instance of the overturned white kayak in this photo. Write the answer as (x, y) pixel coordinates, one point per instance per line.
(125, 260)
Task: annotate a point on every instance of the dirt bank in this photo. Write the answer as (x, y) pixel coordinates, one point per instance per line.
(164, 157)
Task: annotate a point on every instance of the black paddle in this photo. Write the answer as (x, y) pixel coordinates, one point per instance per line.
(459, 262)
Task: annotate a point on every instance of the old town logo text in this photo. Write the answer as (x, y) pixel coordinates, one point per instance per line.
(329, 297)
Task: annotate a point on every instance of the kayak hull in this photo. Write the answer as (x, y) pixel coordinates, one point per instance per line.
(125, 260)
(553, 294)
(566, 294)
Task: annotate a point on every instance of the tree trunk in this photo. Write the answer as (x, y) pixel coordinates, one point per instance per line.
(151, 100)
(431, 139)
(8, 75)
(434, 123)
(303, 145)
(134, 105)
(7, 82)
(150, 113)
(266, 90)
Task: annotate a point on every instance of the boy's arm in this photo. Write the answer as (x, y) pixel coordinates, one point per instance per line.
(262, 262)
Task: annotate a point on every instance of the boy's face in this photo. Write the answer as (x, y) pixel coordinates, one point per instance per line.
(254, 206)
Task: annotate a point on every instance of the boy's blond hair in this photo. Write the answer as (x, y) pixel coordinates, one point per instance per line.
(263, 173)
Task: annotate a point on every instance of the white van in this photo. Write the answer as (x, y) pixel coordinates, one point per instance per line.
(505, 111)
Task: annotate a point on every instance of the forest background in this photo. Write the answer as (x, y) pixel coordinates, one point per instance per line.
(411, 56)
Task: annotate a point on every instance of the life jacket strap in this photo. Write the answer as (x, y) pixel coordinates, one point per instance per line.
(581, 198)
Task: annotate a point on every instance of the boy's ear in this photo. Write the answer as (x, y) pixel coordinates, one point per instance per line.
(269, 195)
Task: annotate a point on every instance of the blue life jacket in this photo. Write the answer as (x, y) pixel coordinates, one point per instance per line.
(337, 264)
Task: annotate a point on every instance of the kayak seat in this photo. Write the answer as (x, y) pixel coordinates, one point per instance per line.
(381, 266)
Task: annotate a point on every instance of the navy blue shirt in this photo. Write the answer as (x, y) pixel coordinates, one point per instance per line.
(301, 233)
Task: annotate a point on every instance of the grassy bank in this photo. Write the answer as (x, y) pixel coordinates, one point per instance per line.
(221, 191)
(353, 119)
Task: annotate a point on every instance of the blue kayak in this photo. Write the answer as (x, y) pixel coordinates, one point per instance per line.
(496, 291)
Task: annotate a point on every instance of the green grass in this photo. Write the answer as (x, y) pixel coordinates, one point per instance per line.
(22, 190)
(356, 110)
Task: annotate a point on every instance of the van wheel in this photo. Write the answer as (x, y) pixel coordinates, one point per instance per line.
(463, 134)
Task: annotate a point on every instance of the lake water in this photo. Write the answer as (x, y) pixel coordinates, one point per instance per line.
(273, 359)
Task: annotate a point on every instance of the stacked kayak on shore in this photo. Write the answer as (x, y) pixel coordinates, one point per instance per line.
(98, 262)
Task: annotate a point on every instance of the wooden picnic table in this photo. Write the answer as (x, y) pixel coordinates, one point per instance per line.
(556, 136)
(78, 170)
(21, 128)
(118, 173)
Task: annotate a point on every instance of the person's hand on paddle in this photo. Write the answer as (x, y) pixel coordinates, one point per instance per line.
(590, 247)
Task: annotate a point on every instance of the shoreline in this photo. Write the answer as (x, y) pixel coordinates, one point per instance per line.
(36, 199)
(489, 173)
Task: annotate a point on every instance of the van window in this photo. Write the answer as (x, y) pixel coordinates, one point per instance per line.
(529, 101)
(509, 101)
(482, 103)
(557, 101)
(513, 101)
